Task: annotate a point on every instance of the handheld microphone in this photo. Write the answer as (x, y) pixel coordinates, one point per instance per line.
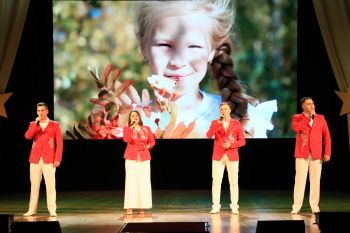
(38, 121)
(133, 122)
(313, 116)
(221, 118)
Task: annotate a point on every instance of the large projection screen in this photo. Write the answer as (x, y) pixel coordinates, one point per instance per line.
(95, 38)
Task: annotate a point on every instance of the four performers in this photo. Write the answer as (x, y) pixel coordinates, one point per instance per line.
(312, 148)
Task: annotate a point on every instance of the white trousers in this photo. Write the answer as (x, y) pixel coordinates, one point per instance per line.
(218, 168)
(302, 168)
(37, 170)
(138, 190)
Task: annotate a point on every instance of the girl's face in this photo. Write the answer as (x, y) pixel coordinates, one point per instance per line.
(180, 49)
(134, 117)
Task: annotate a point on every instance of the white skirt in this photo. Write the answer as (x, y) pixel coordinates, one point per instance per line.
(138, 190)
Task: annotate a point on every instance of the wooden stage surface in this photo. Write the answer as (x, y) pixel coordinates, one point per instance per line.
(102, 211)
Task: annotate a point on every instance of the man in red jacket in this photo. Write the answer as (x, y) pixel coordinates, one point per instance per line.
(229, 136)
(312, 147)
(45, 156)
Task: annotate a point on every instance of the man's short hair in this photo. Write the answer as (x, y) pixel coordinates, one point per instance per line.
(302, 100)
(225, 103)
(42, 104)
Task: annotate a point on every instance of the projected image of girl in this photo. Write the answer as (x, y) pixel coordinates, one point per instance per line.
(179, 40)
(172, 61)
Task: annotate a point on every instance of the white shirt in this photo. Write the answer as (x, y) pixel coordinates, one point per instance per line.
(43, 124)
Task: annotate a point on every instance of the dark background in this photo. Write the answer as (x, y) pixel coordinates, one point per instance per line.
(176, 164)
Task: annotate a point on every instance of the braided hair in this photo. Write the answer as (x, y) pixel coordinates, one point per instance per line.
(232, 91)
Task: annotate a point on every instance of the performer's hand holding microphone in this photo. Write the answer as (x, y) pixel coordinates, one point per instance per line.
(134, 124)
(220, 119)
(38, 119)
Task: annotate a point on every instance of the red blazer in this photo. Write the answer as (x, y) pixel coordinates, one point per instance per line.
(47, 144)
(233, 133)
(311, 139)
(137, 142)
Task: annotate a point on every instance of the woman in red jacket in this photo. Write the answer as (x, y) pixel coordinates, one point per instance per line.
(138, 191)
(229, 136)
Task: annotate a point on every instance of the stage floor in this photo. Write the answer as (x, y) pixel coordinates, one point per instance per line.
(102, 211)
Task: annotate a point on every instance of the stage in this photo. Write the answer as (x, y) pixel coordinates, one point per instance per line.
(102, 211)
(181, 179)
